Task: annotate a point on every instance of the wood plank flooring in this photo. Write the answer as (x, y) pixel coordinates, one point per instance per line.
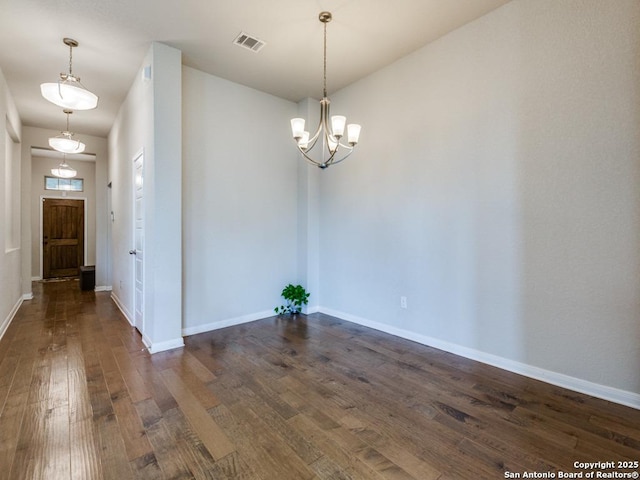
(276, 399)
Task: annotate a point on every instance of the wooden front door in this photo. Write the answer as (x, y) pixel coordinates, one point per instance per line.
(62, 237)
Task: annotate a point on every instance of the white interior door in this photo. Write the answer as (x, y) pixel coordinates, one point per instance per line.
(138, 236)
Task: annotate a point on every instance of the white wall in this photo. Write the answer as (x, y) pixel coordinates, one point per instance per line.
(163, 203)
(149, 121)
(239, 201)
(131, 133)
(496, 187)
(10, 239)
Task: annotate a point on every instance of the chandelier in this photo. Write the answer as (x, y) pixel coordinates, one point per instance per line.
(68, 92)
(329, 140)
(64, 142)
(64, 170)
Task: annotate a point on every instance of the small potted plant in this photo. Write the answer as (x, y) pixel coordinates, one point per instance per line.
(296, 296)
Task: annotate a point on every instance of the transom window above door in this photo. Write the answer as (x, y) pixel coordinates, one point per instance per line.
(65, 184)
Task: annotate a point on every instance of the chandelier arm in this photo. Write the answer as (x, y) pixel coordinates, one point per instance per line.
(322, 124)
(349, 147)
(326, 145)
(324, 121)
(330, 161)
(77, 80)
(309, 159)
(332, 158)
(342, 158)
(315, 138)
(311, 144)
(66, 78)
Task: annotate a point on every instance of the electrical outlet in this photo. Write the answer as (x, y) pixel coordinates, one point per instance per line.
(403, 302)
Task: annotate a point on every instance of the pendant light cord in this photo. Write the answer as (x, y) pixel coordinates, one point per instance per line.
(325, 59)
(70, 60)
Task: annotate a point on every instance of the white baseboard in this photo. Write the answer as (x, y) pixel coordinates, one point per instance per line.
(151, 346)
(103, 288)
(27, 296)
(122, 308)
(36, 279)
(623, 397)
(147, 341)
(230, 322)
(163, 346)
(7, 321)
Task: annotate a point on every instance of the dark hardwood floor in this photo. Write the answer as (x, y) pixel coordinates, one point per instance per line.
(277, 399)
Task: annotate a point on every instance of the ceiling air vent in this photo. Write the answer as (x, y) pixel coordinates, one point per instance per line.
(247, 41)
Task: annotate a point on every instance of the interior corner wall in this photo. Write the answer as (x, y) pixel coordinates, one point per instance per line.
(308, 215)
(149, 122)
(239, 202)
(496, 188)
(10, 255)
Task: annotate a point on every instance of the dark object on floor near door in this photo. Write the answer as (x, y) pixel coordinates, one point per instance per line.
(88, 277)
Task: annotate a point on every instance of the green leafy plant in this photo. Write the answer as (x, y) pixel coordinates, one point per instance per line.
(296, 296)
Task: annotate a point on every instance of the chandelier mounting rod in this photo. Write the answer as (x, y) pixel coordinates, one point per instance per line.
(325, 17)
(70, 42)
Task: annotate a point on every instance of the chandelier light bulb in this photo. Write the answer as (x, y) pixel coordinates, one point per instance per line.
(332, 143)
(297, 127)
(337, 125)
(353, 133)
(303, 142)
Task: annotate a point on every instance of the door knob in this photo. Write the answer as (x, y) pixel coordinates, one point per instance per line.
(132, 252)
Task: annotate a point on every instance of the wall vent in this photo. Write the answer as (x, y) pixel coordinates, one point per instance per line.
(245, 40)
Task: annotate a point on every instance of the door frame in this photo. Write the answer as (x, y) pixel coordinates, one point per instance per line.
(41, 227)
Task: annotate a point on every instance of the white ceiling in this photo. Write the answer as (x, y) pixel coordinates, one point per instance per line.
(114, 36)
